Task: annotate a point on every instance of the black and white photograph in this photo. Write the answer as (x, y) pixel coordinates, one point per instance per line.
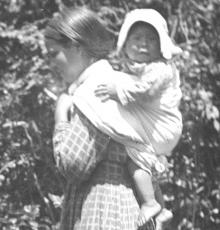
(109, 114)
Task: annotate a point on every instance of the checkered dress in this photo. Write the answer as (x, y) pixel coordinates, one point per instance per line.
(99, 193)
(78, 147)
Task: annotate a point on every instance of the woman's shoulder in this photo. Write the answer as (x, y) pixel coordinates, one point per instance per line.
(96, 73)
(101, 65)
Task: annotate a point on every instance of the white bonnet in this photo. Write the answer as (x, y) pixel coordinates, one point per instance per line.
(152, 17)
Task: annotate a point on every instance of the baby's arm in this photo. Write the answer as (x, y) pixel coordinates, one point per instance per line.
(148, 87)
(129, 91)
(107, 91)
(125, 86)
(129, 88)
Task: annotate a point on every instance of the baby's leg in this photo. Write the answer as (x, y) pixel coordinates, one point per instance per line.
(165, 215)
(142, 179)
(158, 194)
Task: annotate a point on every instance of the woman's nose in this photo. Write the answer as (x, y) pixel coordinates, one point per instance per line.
(60, 57)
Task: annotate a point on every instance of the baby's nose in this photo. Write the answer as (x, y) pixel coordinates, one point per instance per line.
(144, 44)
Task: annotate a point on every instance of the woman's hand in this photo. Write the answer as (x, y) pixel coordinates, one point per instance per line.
(106, 92)
(64, 104)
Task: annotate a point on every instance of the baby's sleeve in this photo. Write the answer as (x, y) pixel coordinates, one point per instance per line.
(131, 91)
(148, 87)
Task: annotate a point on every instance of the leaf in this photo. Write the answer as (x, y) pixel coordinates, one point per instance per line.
(57, 200)
(216, 125)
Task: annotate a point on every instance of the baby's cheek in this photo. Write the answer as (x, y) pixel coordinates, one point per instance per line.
(133, 48)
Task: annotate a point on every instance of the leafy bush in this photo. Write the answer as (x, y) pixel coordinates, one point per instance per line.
(30, 185)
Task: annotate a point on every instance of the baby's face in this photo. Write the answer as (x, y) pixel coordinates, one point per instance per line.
(143, 44)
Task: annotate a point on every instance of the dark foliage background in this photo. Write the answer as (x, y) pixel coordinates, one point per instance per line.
(30, 185)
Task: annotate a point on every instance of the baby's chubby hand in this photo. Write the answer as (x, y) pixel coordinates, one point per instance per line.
(106, 91)
(63, 106)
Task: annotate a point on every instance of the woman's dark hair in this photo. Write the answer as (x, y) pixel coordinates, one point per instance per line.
(81, 26)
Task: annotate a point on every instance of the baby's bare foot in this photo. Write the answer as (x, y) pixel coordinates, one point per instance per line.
(147, 212)
(163, 219)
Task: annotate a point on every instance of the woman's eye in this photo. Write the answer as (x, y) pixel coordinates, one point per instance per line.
(52, 53)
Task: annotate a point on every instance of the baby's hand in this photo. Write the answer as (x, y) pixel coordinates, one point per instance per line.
(106, 91)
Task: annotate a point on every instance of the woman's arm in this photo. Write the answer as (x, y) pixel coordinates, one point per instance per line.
(78, 145)
(64, 103)
(62, 131)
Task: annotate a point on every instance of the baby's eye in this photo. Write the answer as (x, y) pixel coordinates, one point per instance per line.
(151, 38)
(136, 38)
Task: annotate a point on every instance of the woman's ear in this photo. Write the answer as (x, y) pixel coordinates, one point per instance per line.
(84, 53)
(80, 49)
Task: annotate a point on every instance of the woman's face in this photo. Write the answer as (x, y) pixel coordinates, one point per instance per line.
(143, 44)
(70, 62)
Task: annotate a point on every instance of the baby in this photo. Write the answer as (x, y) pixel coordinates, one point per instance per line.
(144, 116)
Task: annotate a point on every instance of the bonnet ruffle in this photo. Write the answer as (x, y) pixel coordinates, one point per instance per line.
(152, 17)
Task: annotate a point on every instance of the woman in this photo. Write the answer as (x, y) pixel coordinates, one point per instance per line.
(99, 192)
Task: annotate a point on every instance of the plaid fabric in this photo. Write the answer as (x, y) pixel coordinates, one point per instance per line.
(106, 201)
(78, 147)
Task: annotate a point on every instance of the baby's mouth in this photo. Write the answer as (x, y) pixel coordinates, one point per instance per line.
(143, 51)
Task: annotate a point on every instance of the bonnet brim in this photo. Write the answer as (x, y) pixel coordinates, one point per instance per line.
(152, 17)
